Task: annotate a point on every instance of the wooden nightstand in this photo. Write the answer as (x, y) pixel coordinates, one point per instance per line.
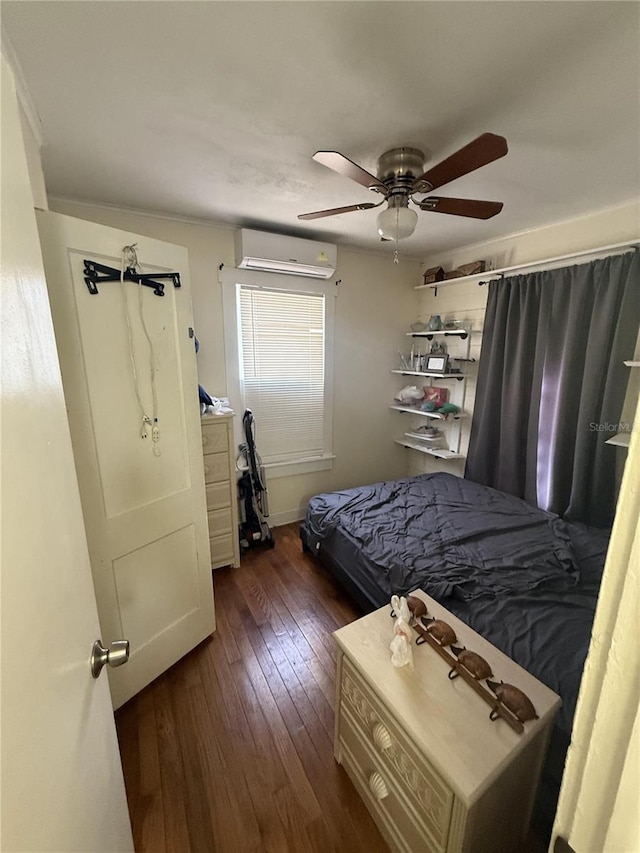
(437, 775)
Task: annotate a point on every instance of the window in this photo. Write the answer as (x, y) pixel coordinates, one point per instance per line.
(279, 344)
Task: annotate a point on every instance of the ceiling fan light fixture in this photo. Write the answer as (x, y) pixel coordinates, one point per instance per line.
(397, 223)
(400, 178)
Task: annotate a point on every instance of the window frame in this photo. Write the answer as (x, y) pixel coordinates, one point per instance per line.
(232, 280)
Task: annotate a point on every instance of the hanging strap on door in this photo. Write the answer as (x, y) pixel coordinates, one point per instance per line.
(149, 423)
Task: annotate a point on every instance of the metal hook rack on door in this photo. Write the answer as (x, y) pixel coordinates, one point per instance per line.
(95, 274)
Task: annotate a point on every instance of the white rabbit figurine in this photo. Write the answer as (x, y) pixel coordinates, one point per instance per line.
(401, 650)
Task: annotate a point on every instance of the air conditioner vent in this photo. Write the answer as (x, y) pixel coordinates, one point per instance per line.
(260, 250)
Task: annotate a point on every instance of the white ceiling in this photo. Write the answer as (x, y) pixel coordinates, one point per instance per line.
(213, 109)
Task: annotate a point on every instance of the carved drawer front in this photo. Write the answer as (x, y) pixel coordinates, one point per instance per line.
(215, 438)
(425, 789)
(220, 522)
(216, 467)
(377, 787)
(218, 495)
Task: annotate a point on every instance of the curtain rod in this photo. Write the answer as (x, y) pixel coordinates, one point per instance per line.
(483, 278)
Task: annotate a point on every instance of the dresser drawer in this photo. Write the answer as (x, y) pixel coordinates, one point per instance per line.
(215, 438)
(216, 467)
(218, 495)
(220, 522)
(378, 789)
(429, 737)
(420, 783)
(222, 550)
(220, 486)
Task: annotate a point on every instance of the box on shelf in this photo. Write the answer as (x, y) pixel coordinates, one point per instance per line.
(433, 394)
(433, 274)
(472, 268)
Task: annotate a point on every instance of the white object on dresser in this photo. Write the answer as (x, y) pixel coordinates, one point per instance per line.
(220, 485)
(436, 774)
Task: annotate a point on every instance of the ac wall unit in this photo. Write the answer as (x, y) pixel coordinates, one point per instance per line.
(259, 250)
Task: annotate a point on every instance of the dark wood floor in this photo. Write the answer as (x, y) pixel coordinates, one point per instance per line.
(232, 748)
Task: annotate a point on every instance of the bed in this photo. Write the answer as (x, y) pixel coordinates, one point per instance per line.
(525, 579)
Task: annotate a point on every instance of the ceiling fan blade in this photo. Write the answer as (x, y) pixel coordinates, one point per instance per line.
(318, 214)
(462, 207)
(485, 149)
(341, 164)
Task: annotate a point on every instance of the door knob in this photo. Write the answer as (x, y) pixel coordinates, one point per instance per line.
(115, 655)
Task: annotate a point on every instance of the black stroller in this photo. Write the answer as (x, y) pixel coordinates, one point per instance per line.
(252, 490)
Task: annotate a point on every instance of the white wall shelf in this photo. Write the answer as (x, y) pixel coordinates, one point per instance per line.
(622, 439)
(440, 453)
(412, 410)
(490, 275)
(476, 276)
(458, 376)
(460, 340)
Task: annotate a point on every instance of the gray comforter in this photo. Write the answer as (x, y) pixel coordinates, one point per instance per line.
(449, 536)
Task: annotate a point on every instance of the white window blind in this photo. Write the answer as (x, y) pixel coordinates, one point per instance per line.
(282, 345)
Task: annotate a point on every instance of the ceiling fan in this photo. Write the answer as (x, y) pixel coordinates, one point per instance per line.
(401, 177)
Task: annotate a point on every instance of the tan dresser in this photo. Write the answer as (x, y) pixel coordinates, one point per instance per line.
(220, 483)
(436, 774)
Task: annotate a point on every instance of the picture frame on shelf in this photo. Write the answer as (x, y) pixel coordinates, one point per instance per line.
(437, 363)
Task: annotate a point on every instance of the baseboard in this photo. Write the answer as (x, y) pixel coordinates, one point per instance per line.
(276, 519)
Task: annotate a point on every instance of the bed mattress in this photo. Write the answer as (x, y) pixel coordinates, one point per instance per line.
(525, 579)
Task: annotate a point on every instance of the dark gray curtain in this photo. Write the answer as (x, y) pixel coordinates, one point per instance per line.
(551, 371)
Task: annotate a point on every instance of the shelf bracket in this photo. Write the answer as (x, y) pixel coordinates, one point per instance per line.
(450, 333)
(95, 273)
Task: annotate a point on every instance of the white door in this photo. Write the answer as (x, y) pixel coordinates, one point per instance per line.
(62, 786)
(598, 804)
(126, 351)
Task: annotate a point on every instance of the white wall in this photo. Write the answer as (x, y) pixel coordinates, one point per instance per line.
(467, 301)
(30, 126)
(599, 228)
(375, 306)
(32, 145)
(376, 302)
